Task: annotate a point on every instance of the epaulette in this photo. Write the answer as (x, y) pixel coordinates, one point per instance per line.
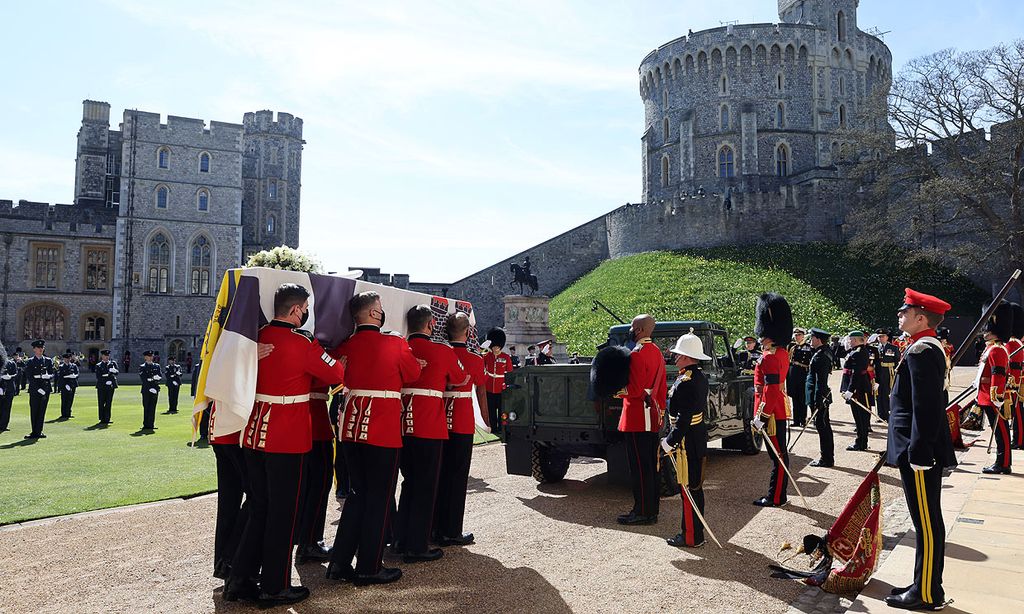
(686, 376)
(393, 333)
(304, 333)
(922, 344)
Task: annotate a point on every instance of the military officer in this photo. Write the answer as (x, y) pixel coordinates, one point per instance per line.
(496, 364)
(67, 378)
(856, 387)
(377, 367)
(1015, 351)
(885, 371)
(39, 372)
(796, 380)
(106, 383)
(643, 401)
(774, 326)
(173, 384)
(8, 390)
(920, 445)
(150, 375)
(991, 382)
(687, 403)
(749, 355)
(275, 440)
(819, 397)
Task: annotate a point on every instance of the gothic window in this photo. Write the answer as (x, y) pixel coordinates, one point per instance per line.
(664, 129)
(780, 116)
(726, 162)
(272, 190)
(842, 116)
(781, 161)
(97, 269)
(159, 264)
(47, 266)
(163, 157)
(199, 271)
(664, 98)
(94, 328)
(723, 116)
(841, 26)
(204, 162)
(161, 196)
(664, 171)
(271, 224)
(177, 350)
(725, 85)
(44, 321)
(203, 199)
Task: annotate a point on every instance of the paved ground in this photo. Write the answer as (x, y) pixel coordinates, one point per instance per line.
(551, 548)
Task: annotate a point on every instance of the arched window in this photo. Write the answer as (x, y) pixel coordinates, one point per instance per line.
(94, 328)
(781, 161)
(726, 162)
(204, 162)
(199, 270)
(159, 264)
(161, 197)
(665, 130)
(163, 157)
(272, 190)
(664, 171)
(723, 117)
(664, 98)
(842, 116)
(780, 116)
(45, 321)
(841, 26)
(271, 224)
(203, 199)
(176, 350)
(725, 84)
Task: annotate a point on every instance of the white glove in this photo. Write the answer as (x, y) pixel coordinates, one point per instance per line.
(67, 387)
(5, 376)
(874, 388)
(110, 383)
(919, 467)
(848, 395)
(47, 376)
(665, 445)
(172, 383)
(757, 423)
(40, 391)
(152, 390)
(157, 378)
(113, 371)
(1, 392)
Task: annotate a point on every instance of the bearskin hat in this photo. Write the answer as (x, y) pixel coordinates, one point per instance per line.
(1001, 322)
(774, 318)
(496, 336)
(609, 373)
(1018, 320)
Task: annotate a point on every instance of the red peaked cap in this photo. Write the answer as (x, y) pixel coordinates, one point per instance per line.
(913, 298)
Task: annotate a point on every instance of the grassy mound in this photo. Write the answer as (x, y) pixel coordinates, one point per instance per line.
(827, 285)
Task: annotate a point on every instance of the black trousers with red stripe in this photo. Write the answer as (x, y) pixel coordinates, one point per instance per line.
(421, 467)
(1002, 437)
(779, 481)
(372, 471)
(642, 454)
(451, 489)
(275, 481)
(923, 491)
(232, 512)
(1018, 426)
(316, 491)
(692, 529)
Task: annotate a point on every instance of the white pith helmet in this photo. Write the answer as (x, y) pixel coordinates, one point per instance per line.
(690, 345)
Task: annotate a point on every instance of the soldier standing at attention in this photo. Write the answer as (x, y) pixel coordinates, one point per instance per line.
(150, 375)
(8, 389)
(275, 440)
(377, 367)
(39, 373)
(643, 401)
(1015, 372)
(920, 445)
(774, 327)
(106, 383)
(885, 371)
(855, 387)
(819, 397)
(796, 380)
(173, 384)
(496, 365)
(687, 403)
(992, 384)
(67, 377)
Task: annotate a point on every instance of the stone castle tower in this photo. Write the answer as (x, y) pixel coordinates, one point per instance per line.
(271, 178)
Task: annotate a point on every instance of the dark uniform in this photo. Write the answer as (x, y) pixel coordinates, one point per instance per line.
(746, 359)
(317, 477)
(232, 508)
(819, 397)
(885, 372)
(39, 372)
(857, 381)
(687, 403)
(341, 483)
(67, 379)
(150, 374)
(173, 386)
(796, 379)
(920, 445)
(873, 358)
(106, 383)
(8, 390)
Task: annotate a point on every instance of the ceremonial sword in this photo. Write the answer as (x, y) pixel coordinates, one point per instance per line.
(806, 424)
(778, 456)
(686, 493)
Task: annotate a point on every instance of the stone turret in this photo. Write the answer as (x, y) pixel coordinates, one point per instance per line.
(271, 176)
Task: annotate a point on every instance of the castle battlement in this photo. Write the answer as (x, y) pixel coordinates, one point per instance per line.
(178, 129)
(26, 210)
(263, 121)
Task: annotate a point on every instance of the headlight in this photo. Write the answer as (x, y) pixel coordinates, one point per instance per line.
(512, 416)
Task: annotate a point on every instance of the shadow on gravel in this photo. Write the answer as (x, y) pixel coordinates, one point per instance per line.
(883, 477)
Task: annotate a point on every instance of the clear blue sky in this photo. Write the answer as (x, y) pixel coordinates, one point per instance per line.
(442, 136)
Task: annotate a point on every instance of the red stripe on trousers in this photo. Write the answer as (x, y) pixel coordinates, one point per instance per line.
(291, 533)
(1018, 424)
(779, 473)
(1004, 433)
(687, 517)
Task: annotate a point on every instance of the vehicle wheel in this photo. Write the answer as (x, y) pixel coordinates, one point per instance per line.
(547, 464)
(668, 485)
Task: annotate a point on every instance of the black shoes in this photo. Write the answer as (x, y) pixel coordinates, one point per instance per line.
(910, 600)
(246, 590)
(432, 554)
(386, 575)
(900, 589)
(317, 552)
(292, 594)
(855, 448)
(766, 502)
(994, 468)
(822, 463)
(463, 540)
(337, 571)
(35, 436)
(634, 518)
(679, 541)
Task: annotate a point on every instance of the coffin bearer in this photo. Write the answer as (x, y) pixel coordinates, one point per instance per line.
(1015, 373)
(796, 381)
(496, 364)
(991, 381)
(885, 371)
(819, 397)
(106, 383)
(856, 387)
(317, 477)
(687, 403)
(774, 327)
(39, 373)
(150, 374)
(920, 445)
(173, 384)
(67, 379)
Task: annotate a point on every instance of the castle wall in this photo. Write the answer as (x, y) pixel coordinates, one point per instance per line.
(272, 180)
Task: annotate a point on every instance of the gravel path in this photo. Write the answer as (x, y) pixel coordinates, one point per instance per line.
(550, 548)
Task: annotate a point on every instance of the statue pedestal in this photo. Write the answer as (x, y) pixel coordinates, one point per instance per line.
(526, 324)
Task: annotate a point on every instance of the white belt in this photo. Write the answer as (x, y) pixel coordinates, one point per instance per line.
(489, 374)
(355, 393)
(422, 392)
(455, 394)
(281, 400)
(320, 396)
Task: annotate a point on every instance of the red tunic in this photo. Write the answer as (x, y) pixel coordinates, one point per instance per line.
(378, 367)
(284, 426)
(647, 391)
(495, 368)
(459, 402)
(230, 439)
(423, 399)
(319, 416)
(769, 378)
(992, 375)
(1014, 368)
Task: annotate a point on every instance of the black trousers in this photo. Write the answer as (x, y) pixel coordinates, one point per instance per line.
(642, 454)
(275, 482)
(373, 471)
(37, 408)
(451, 490)
(798, 394)
(172, 397)
(1004, 449)
(692, 529)
(232, 510)
(105, 398)
(67, 399)
(923, 490)
(884, 389)
(149, 400)
(204, 424)
(1018, 426)
(861, 419)
(316, 489)
(826, 441)
(5, 409)
(421, 467)
(778, 482)
(494, 411)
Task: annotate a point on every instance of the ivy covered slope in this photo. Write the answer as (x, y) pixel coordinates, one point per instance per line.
(827, 285)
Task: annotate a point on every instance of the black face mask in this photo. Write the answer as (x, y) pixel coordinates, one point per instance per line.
(305, 316)
(382, 318)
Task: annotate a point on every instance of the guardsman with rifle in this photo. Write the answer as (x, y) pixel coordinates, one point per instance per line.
(993, 397)
(39, 373)
(496, 365)
(796, 380)
(885, 371)
(8, 389)
(920, 445)
(856, 388)
(774, 326)
(819, 397)
(687, 403)
(150, 375)
(1015, 350)
(106, 383)
(67, 379)
(173, 384)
